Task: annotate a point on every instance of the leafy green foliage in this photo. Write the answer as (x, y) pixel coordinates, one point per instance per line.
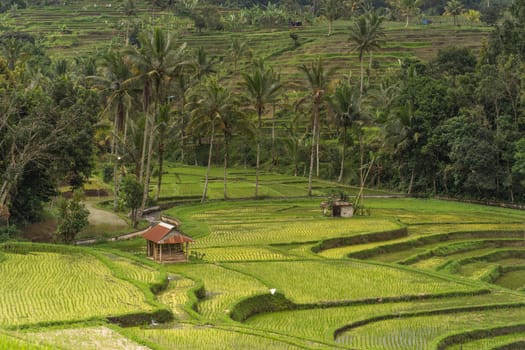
(131, 193)
(72, 217)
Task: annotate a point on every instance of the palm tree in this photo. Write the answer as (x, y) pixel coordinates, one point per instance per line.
(203, 64)
(318, 79)
(211, 105)
(129, 9)
(454, 8)
(116, 81)
(366, 35)
(157, 60)
(164, 125)
(332, 9)
(408, 8)
(237, 49)
(346, 107)
(262, 86)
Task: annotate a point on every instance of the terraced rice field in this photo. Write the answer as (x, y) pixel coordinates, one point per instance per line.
(323, 281)
(44, 287)
(418, 332)
(208, 337)
(412, 275)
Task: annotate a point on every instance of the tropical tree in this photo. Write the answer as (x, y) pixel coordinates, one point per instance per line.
(164, 125)
(454, 8)
(261, 87)
(237, 49)
(157, 60)
(117, 84)
(210, 104)
(131, 195)
(366, 35)
(346, 107)
(407, 8)
(332, 10)
(318, 79)
(72, 217)
(129, 9)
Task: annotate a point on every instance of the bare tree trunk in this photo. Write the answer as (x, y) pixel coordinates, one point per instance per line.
(273, 136)
(330, 25)
(342, 157)
(115, 167)
(161, 165)
(225, 194)
(148, 164)
(312, 153)
(361, 162)
(362, 76)
(144, 148)
(4, 192)
(259, 114)
(412, 176)
(318, 136)
(205, 191)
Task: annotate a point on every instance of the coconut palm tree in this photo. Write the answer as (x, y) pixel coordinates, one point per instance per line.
(261, 87)
(211, 105)
(318, 79)
(366, 35)
(158, 61)
(237, 49)
(454, 8)
(116, 83)
(129, 9)
(332, 10)
(408, 8)
(345, 104)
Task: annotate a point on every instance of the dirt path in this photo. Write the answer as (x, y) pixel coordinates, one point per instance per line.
(103, 217)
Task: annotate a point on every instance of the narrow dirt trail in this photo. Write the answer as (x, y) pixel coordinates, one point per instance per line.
(103, 217)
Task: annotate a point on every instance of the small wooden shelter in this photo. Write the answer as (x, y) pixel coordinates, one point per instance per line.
(339, 208)
(166, 244)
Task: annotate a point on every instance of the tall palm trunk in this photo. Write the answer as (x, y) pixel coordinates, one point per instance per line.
(342, 156)
(205, 191)
(144, 147)
(312, 153)
(273, 136)
(257, 163)
(362, 75)
(161, 165)
(115, 167)
(225, 193)
(147, 176)
(318, 137)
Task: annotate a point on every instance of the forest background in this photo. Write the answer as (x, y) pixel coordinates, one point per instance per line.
(158, 87)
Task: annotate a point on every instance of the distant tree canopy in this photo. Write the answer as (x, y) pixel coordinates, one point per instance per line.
(454, 125)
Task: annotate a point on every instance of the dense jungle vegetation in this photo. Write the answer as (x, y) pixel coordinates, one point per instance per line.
(322, 94)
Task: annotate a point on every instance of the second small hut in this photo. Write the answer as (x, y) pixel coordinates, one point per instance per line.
(338, 208)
